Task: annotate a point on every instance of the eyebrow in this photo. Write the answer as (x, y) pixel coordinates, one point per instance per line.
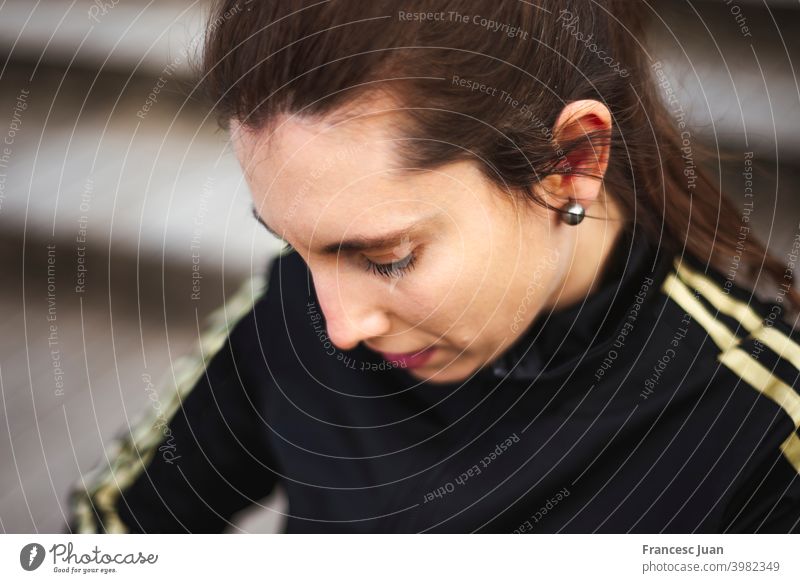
(362, 243)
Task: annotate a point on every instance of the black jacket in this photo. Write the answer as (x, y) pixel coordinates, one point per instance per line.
(666, 402)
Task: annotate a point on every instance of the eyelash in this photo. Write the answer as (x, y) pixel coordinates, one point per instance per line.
(389, 270)
(382, 269)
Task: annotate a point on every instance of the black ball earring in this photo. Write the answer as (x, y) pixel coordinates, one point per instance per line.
(572, 213)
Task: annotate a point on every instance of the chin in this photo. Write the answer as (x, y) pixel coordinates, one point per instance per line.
(432, 375)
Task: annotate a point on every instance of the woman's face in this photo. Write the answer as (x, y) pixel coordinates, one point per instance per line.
(437, 259)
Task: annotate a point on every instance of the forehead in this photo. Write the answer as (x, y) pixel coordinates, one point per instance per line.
(293, 142)
(304, 175)
(313, 149)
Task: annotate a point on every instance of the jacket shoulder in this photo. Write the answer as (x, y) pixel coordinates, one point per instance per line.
(750, 338)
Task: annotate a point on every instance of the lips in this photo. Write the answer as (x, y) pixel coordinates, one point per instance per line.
(409, 359)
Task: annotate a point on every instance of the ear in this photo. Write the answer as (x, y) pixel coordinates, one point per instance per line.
(589, 120)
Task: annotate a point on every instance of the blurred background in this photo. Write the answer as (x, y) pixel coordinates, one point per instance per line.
(124, 219)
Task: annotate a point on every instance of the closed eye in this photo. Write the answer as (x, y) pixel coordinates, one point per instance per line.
(394, 269)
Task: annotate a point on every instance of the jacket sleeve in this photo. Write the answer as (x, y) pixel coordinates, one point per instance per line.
(768, 500)
(201, 452)
(767, 497)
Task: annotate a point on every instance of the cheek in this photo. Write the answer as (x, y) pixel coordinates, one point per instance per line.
(461, 294)
(439, 291)
(533, 289)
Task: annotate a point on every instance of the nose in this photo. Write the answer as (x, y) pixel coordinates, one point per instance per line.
(351, 308)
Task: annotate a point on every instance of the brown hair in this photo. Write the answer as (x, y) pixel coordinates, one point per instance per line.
(319, 58)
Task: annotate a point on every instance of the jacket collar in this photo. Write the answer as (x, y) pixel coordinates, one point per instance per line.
(558, 340)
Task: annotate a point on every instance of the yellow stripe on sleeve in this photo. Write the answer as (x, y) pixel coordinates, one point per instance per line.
(739, 361)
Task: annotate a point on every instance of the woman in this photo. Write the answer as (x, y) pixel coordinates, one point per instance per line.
(502, 305)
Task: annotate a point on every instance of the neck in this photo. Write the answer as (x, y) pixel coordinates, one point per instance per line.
(594, 242)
